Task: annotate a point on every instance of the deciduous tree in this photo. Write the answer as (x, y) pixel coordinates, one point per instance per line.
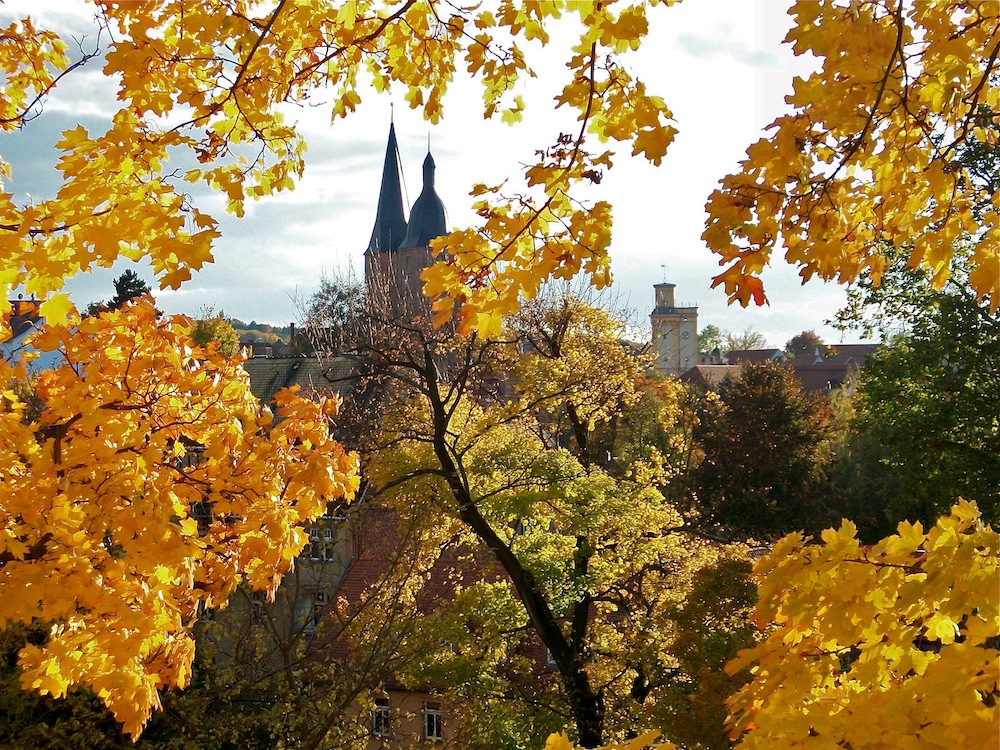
(214, 328)
(210, 79)
(890, 645)
(764, 445)
(802, 344)
(507, 436)
(932, 391)
(709, 339)
(747, 339)
(150, 484)
(872, 151)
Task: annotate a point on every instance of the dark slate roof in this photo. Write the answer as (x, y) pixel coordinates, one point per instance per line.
(427, 218)
(25, 316)
(313, 376)
(837, 354)
(834, 366)
(738, 356)
(390, 224)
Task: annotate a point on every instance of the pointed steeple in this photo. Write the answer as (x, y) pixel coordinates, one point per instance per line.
(390, 224)
(427, 218)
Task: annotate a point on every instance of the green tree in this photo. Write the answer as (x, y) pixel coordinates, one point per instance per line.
(802, 344)
(713, 625)
(128, 286)
(935, 392)
(710, 338)
(765, 451)
(521, 444)
(747, 339)
(215, 328)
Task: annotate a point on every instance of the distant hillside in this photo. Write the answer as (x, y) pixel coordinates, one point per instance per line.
(260, 331)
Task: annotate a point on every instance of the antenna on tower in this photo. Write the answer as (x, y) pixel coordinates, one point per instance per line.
(664, 267)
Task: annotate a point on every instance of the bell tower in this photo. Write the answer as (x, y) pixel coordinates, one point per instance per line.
(399, 250)
(675, 332)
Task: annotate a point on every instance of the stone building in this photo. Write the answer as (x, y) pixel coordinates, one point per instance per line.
(675, 333)
(399, 248)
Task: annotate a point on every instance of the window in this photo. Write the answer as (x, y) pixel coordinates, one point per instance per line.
(319, 604)
(432, 722)
(380, 718)
(550, 660)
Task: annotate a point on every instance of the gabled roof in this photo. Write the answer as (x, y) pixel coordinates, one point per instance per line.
(268, 375)
(708, 376)
(832, 367)
(836, 354)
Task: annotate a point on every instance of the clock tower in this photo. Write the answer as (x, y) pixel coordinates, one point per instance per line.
(675, 333)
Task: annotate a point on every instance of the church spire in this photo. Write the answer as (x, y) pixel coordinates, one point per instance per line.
(427, 218)
(390, 224)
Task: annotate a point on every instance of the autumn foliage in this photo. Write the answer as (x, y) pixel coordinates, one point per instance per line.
(890, 645)
(145, 482)
(871, 151)
(151, 484)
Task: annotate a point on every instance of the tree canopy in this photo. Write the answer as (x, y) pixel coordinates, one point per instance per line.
(888, 645)
(215, 328)
(871, 152)
(150, 484)
(802, 344)
(100, 501)
(210, 78)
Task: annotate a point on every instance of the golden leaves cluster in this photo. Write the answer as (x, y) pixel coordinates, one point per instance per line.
(543, 231)
(893, 645)
(211, 82)
(561, 741)
(151, 484)
(871, 153)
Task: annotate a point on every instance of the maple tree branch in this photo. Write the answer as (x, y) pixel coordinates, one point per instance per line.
(22, 116)
(569, 162)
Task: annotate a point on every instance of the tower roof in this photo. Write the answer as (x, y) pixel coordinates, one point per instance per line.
(390, 224)
(427, 217)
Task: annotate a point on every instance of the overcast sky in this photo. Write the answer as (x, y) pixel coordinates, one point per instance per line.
(718, 63)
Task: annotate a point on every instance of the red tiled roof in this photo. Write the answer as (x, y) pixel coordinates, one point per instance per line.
(708, 376)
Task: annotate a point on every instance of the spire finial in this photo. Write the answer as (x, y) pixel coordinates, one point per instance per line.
(392, 112)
